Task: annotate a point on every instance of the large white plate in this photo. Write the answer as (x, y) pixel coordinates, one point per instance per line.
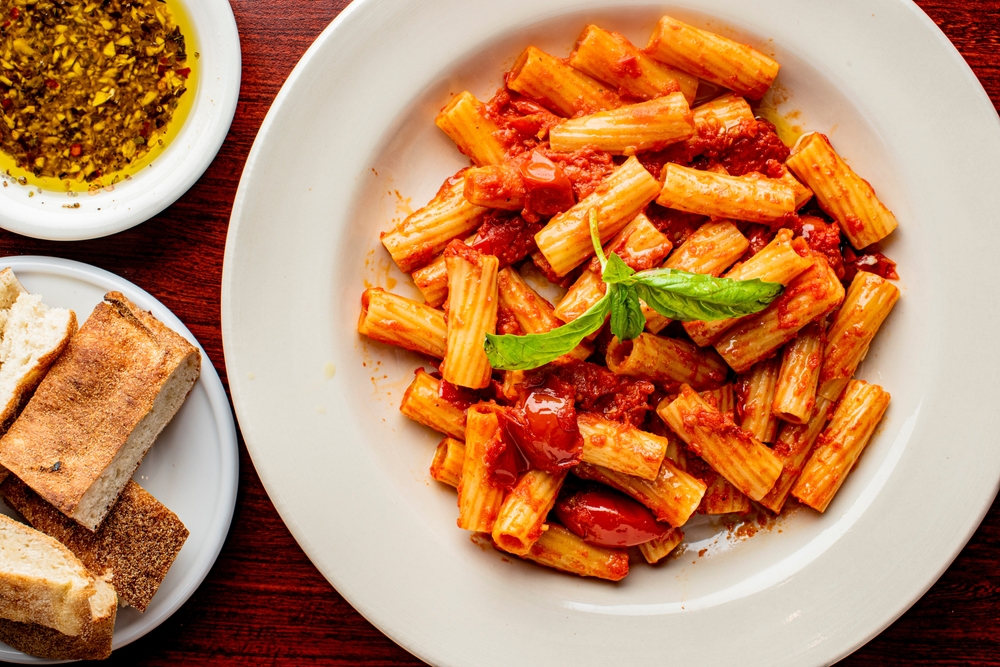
(351, 136)
(193, 467)
(51, 215)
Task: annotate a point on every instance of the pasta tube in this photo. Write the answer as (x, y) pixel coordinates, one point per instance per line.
(735, 454)
(666, 361)
(472, 313)
(815, 292)
(609, 57)
(448, 461)
(522, 516)
(464, 120)
(777, 262)
(758, 398)
(657, 549)
(422, 403)
(620, 447)
(795, 443)
(559, 548)
(840, 445)
(750, 198)
(558, 86)
(396, 320)
(867, 304)
(848, 198)
(565, 240)
(673, 496)
(479, 500)
(651, 125)
(721, 121)
(425, 233)
(722, 61)
(795, 393)
(532, 312)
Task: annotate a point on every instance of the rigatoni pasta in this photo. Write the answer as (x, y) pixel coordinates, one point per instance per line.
(722, 61)
(840, 445)
(564, 186)
(848, 198)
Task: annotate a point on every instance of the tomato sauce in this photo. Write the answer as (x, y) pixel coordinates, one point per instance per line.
(586, 168)
(872, 262)
(507, 236)
(676, 225)
(523, 124)
(504, 461)
(600, 391)
(823, 238)
(608, 518)
(761, 151)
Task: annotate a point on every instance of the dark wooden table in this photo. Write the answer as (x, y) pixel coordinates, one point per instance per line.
(264, 603)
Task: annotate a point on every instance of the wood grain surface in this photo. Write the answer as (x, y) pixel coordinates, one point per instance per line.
(264, 603)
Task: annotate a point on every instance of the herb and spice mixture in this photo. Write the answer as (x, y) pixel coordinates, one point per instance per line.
(87, 87)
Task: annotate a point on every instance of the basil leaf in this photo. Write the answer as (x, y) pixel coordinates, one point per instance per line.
(627, 319)
(519, 353)
(616, 270)
(685, 296)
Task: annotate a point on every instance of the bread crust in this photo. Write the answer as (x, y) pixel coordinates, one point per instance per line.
(93, 643)
(74, 432)
(137, 543)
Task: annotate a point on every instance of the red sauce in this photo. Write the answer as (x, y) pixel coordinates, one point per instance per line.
(523, 124)
(457, 248)
(872, 262)
(758, 236)
(762, 151)
(505, 235)
(585, 168)
(676, 225)
(548, 190)
(823, 238)
(461, 397)
(600, 391)
(544, 425)
(627, 67)
(609, 519)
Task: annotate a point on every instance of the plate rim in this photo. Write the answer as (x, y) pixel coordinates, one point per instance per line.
(218, 404)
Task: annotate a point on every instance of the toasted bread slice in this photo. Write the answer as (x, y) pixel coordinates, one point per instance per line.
(93, 642)
(137, 543)
(42, 582)
(121, 378)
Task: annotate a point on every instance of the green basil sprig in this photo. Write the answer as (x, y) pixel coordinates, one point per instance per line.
(677, 295)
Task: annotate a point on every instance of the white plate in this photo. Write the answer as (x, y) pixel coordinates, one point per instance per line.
(348, 474)
(193, 467)
(49, 215)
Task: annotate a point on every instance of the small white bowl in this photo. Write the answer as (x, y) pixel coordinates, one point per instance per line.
(62, 216)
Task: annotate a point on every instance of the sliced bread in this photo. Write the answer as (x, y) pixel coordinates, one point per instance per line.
(93, 642)
(43, 583)
(137, 543)
(96, 413)
(33, 337)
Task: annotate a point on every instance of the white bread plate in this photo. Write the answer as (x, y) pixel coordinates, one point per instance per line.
(192, 468)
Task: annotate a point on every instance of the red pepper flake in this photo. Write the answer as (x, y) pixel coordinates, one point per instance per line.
(6, 24)
(161, 70)
(52, 83)
(7, 104)
(15, 13)
(76, 150)
(184, 72)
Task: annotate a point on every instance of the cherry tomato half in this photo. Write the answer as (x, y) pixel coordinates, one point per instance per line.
(609, 519)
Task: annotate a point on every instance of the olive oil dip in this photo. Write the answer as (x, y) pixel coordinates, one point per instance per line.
(89, 89)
